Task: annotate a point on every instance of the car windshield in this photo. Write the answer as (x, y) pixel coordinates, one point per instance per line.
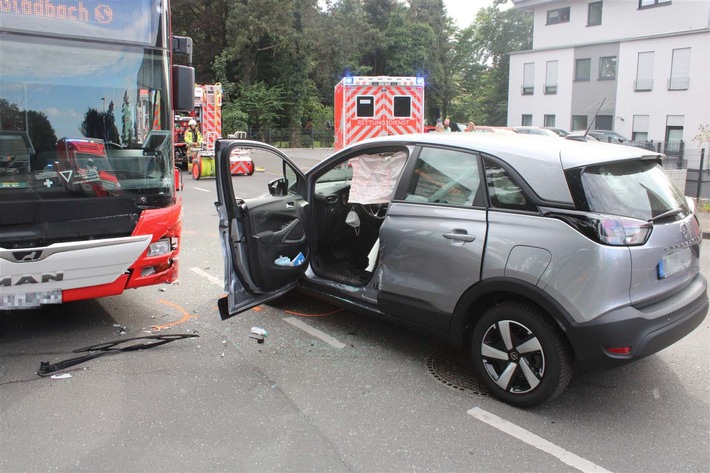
(637, 189)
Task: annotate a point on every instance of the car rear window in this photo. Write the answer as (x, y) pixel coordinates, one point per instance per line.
(637, 189)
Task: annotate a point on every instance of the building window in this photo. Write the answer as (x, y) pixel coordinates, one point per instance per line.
(653, 3)
(549, 120)
(607, 68)
(579, 122)
(365, 106)
(604, 122)
(594, 14)
(639, 130)
(582, 69)
(674, 134)
(680, 70)
(644, 72)
(526, 120)
(551, 77)
(560, 15)
(528, 78)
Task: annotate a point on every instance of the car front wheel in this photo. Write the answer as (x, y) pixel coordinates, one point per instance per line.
(519, 355)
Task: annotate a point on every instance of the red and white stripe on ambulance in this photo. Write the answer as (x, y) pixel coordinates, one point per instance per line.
(367, 107)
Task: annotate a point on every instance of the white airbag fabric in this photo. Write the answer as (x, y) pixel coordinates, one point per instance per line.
(375, 177)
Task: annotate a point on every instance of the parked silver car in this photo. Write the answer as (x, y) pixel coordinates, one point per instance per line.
(537, 256)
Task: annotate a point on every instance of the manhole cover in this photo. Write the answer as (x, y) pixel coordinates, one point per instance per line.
(454, 371)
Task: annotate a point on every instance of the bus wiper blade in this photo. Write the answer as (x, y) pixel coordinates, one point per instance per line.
(668, 213)
(110, 348)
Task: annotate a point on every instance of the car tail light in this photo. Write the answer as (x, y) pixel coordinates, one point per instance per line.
(619, 350)
(623, 231)
(607, 229)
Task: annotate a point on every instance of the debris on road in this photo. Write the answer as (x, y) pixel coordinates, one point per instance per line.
(258, 334)
(110, 348)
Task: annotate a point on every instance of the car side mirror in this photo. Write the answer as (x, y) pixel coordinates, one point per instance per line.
(278, 187)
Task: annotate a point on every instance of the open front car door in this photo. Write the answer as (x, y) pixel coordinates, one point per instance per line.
(264, 239)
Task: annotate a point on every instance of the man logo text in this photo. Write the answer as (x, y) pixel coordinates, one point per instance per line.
(30, 279)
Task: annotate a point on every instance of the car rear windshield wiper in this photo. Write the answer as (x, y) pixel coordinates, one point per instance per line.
(668, 213)
(110, 348)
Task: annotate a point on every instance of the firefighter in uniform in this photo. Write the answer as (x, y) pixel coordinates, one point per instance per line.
(193, 139)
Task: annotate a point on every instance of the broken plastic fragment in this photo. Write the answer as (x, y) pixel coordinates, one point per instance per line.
(259, 331)
(61, 376)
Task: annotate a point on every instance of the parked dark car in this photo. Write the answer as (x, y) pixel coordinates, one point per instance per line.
(608, 136)
(580, 136)
(558, 131)
(534, 130)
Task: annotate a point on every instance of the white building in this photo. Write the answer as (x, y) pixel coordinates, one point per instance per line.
(641, 66)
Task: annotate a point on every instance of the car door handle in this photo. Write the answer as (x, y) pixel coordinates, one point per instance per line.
(460, 235)
(290, 205)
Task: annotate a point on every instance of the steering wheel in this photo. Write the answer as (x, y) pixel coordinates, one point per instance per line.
(377, 211)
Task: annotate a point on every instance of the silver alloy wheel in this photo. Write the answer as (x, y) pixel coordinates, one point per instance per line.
(513, 356)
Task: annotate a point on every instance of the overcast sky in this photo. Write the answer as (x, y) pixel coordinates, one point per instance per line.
(464, 11)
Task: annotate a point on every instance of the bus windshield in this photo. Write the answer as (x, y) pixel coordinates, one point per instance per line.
(84, 119)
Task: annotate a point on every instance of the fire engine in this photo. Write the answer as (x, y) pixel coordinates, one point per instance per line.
(208, 115)
(369, 106)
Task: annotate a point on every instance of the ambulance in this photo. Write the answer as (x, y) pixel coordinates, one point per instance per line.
(370, 106)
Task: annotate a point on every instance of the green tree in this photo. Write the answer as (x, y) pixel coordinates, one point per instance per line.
(493, 36)
(439, 70)
(126, 121)
(233, 119)
(407, 44)
(206, 23)
(261, 104)
(36, 124)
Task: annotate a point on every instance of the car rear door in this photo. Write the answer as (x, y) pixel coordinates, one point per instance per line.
(264, 241)
(433, 237)
(670, 257)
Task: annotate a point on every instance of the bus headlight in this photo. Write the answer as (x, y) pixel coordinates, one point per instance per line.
(160, 247)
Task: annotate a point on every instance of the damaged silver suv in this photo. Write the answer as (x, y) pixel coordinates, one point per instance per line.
(536, 255)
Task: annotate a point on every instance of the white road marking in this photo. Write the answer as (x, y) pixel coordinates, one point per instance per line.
(209, 277)
(315, 332)
(538, 442)
(201, 189)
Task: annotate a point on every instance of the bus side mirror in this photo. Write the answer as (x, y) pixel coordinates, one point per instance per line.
(183, 88)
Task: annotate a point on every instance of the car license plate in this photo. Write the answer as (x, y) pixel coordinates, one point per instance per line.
(29, 300)
(674, 263)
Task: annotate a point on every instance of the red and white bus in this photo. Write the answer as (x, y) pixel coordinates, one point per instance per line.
(88, 203)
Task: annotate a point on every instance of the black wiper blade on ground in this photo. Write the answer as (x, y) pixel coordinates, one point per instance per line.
(110, 348)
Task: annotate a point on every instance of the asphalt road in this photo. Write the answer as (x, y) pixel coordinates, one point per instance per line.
(328, 390)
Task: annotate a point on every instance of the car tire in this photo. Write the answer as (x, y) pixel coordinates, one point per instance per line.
(519, 355)
(196, 171)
